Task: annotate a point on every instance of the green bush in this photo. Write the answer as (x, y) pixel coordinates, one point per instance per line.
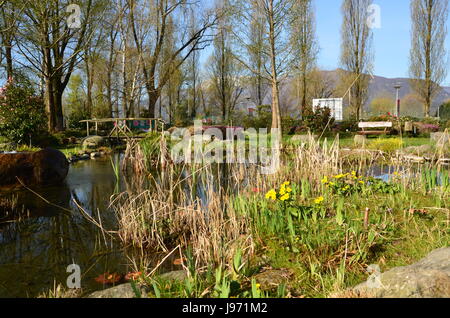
(319, 121)
(445, 124)
(444, 111)
(22, 113)
(262, 118)
(385, 144)
(289, 125)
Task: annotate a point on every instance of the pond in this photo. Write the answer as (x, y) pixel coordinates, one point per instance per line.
(36, 250)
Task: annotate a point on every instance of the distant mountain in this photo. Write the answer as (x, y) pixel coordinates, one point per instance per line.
(384, 86)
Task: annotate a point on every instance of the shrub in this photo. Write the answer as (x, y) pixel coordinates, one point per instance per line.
(444, 111)
(22, 113)
(290, 125)
(430, 121)
(319, 121)
(446, 125)
(263, 118)
(386, 144)
(426, 128)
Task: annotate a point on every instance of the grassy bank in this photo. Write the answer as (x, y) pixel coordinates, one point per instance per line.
(311, 230)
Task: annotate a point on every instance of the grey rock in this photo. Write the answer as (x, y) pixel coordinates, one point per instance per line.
(93, 142)
(84, 157)
(174, 276)
(360, 140)
(120, 291)
(95, 155)
(428, 278)
(272, 278)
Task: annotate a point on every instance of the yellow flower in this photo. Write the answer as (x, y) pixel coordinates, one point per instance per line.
(272, 194)
(288, 190)
(362, 182)
(332, 183)
(258, 286)
(286, 184)
(325, 180)
(285, 197)
(353, 173)
(319, 200)
(339, 176)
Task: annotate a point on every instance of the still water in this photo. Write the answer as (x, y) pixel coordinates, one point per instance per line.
(35, 251)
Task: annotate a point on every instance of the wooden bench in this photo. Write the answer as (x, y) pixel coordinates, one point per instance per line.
(387, 125)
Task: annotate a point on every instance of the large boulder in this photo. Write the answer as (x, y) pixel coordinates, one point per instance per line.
(94, 142)
(428, 278)
(360, 140)
(45, 167)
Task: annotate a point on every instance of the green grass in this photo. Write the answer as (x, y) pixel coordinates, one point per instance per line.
(326, 246)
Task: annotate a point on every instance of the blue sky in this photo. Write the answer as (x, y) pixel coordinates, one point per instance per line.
(391, 43)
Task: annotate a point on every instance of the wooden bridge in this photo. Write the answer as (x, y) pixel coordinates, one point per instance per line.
(123, 126)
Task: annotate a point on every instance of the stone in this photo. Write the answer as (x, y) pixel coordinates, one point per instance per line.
(272, 278)
(360, 140)
(93, 142)
(84, 157)
(120, 291)
(45, 167)
(126, 290)
(174, 276)
(441, 138)
(428, 278)
(95, 155)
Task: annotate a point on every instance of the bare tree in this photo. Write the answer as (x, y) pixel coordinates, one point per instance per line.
(428, 56)
(225, 72)
(319, 85)
(193, 70)
(356, 51)
(277, 18)
(53, 49)
(9, 12)
(305, 47)
(149, 20)
(257, 58)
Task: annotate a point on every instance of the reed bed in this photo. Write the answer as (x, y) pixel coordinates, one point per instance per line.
(219, 213)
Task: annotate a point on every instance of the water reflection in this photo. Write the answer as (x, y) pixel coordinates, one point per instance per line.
(37, 249)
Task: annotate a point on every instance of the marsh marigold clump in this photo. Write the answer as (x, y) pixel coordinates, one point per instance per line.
(283, 194)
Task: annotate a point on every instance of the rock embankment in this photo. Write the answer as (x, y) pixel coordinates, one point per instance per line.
(428, 278)
(45, 167)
